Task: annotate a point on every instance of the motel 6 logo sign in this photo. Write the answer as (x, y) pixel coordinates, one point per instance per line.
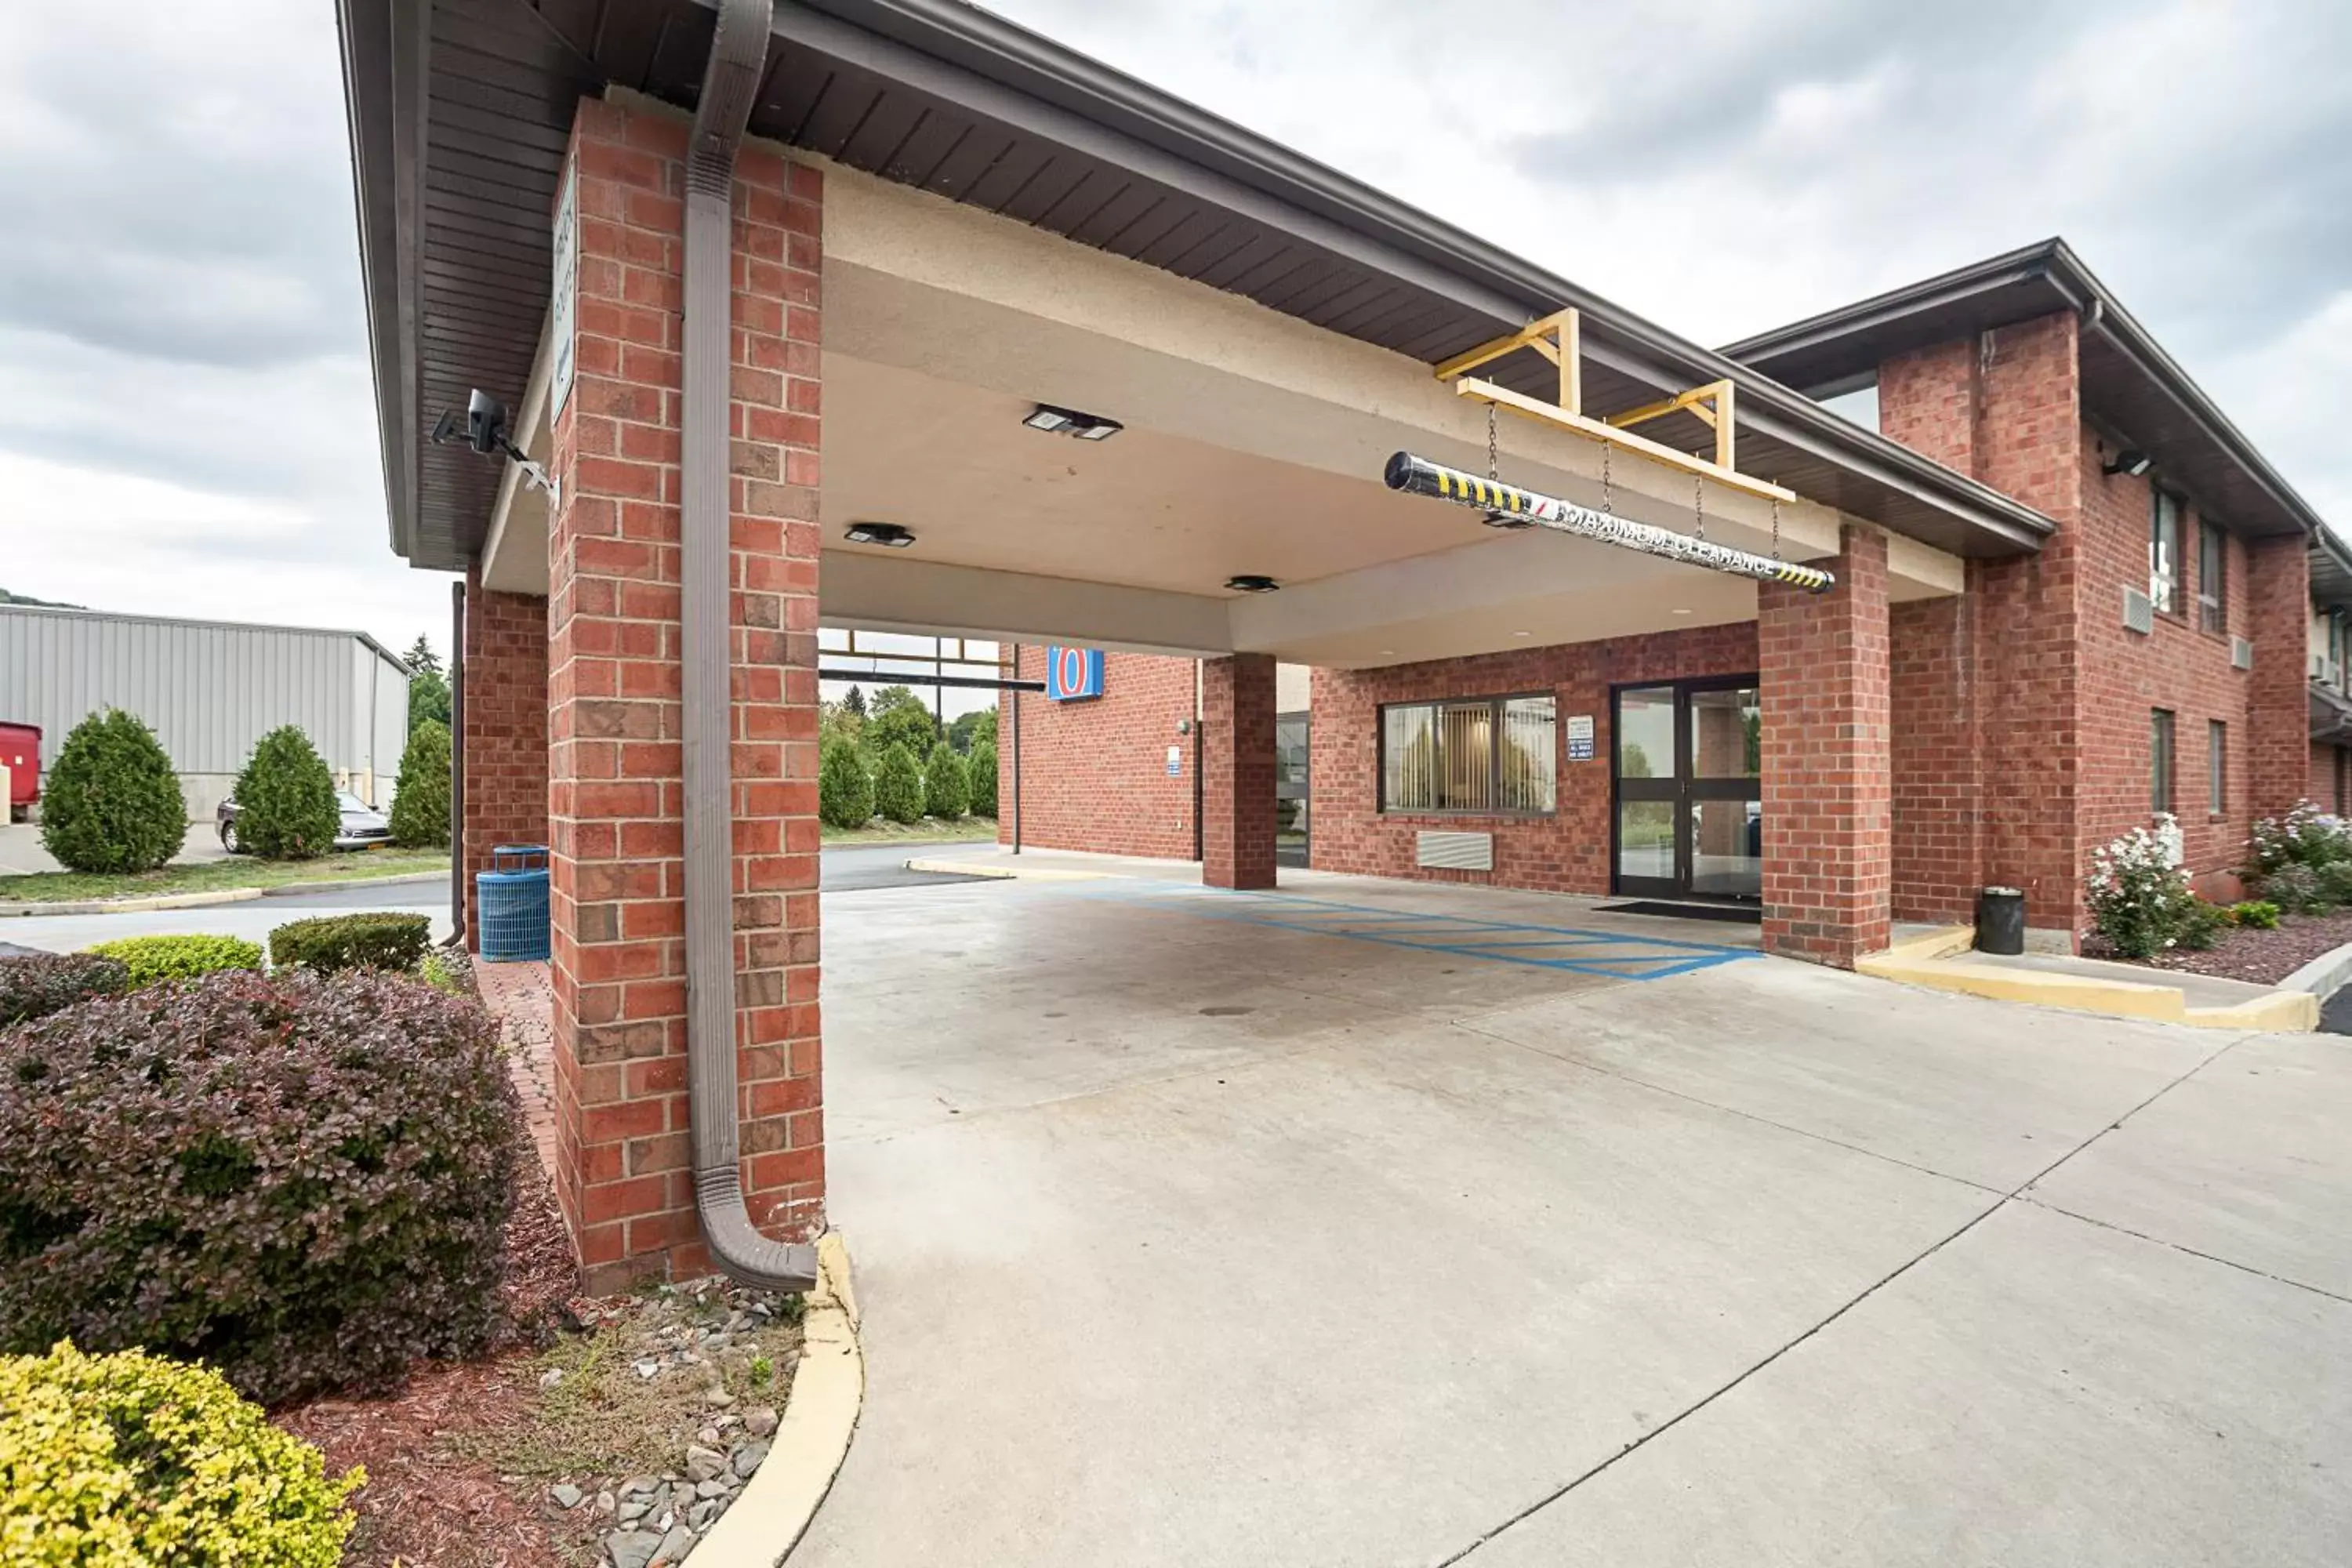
(1072, 673)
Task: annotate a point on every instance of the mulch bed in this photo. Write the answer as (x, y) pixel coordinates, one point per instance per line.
(592, 1431)
(2263, 957)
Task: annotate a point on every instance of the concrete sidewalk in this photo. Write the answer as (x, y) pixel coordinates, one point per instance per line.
(1188, 1239)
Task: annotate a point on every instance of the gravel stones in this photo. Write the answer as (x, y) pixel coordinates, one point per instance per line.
(760, 1421)
(747, 1459)
(632, 1548)
(567, 1496)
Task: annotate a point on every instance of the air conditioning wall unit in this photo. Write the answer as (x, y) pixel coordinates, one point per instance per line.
(2140, 614)
(2241, 653)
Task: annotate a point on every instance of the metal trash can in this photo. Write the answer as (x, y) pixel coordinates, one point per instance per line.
(2001, 920)
(512, 899)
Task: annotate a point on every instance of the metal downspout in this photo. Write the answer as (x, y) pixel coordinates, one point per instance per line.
(739, 54)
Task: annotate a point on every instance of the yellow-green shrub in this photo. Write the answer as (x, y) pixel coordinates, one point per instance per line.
(128, 1460)
(151, 959)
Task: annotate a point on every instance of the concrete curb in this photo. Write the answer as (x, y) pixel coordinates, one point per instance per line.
(208, 900)
(819, 1417)
(2324, 977)
(1005, 873)
(1922, 961)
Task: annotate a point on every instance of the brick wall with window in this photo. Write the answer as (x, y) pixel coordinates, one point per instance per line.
(1565, 851)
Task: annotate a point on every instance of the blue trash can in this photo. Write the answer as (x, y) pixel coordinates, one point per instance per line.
(512, 899)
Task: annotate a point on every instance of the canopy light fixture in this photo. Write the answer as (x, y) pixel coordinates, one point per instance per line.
(2128, 461)
(1251, 583)
(1070, 421)
(889, 534)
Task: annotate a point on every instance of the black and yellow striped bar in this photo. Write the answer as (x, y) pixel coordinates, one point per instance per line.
(1418, 476)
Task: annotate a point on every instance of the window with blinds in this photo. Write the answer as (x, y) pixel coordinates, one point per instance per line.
(1486, 756)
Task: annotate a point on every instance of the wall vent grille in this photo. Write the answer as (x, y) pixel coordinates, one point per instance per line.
(1456, 851)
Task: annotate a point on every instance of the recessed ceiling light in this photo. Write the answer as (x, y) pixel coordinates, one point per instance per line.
(1388, 653)
(1523, 634)
(1070, 421)
(1681, 612)
(889, 534)
(1251, 583)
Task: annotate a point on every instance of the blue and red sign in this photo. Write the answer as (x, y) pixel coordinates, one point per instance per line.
(1072, 673)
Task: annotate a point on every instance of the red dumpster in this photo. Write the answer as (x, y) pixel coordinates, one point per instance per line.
(20, 753)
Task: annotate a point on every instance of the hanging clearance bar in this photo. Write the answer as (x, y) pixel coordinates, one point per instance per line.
(1418, 476)
(1558, 337)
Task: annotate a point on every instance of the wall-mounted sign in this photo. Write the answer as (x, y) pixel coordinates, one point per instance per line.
(1072, 673)
(567, 288)
(1175, 761)
(1579, 737)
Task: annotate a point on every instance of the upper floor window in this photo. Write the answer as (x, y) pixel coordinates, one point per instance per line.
(2212, 576)
(2164, 553)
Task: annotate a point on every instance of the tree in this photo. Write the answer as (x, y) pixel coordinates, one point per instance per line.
(286, 807)
(946, 791)
(839, 722)
(970, 729)
(981, 768)
(112, 802)
(845, 790)
(854, 702)
(420, 797)
(897, 717)
(898, 786)
(428, 687)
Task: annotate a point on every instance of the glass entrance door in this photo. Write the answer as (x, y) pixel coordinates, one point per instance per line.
(1292, 733)
(1689, 794)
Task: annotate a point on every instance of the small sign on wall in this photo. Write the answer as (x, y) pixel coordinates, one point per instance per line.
(1579, 737)
(1072, 673)
(1175, 761)
(563, 330)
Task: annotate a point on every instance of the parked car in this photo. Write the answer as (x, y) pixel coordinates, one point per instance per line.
(364, 827)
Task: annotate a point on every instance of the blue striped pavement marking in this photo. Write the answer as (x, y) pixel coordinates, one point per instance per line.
(1618, 955)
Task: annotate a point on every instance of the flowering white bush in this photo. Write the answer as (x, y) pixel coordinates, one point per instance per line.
(2139, 889)
(2304, 835)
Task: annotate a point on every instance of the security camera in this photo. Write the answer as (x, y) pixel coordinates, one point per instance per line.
(485, 432)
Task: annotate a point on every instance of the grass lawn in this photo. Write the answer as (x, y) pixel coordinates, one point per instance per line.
(931, 830)
(211, 876)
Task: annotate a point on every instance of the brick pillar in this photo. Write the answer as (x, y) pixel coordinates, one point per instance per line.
(1237, 771)
(2278, 698)
(624, 1154)
(504, 666)
(1828, 827)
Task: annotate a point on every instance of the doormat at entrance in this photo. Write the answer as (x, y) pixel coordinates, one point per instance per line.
(1733, 913)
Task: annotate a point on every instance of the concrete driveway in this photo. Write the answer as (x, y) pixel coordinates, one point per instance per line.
(1350, 1228)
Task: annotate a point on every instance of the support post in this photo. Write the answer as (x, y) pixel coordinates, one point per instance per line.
(1237, 772)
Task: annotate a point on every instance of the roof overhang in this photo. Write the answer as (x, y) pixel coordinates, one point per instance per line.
(460, 111)
(2129, 383)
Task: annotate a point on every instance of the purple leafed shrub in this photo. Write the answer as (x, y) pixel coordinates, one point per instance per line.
(302, 1181)
(34, 986)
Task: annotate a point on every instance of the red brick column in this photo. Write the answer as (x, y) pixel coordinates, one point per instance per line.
(504, 666)
(1237, 771)
(615, 789)
(1828, 827)
(2278, 702)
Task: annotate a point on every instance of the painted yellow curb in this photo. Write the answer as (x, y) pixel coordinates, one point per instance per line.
(1923, 961)
(813, 1434)
(1025, 873)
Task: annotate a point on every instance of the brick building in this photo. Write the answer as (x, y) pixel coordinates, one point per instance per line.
(897, 316)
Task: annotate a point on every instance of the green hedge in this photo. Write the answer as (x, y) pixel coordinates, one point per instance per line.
(151, 959)
(946, 792)
(386, 941)
(980, 769)
(899, 785)
(844, 791)
(110, 803)
(303, 1180)
(420, 797)
(286, 807)
(114, 1460)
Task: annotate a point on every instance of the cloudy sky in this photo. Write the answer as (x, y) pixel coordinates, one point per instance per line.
(185, 420)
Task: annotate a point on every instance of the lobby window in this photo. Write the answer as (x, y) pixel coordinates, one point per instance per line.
(1494, 756)
(2164, 552)
(2216, 767)
(2212, 577)
(2159, 759)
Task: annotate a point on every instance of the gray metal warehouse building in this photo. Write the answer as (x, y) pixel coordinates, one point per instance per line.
(209, 689)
